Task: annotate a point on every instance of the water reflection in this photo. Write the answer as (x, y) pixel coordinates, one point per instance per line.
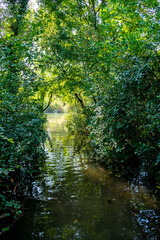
(73, 199)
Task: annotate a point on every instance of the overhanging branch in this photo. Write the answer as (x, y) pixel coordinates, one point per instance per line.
(49, 102)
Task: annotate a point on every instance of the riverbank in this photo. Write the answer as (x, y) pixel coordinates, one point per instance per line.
(74, 199)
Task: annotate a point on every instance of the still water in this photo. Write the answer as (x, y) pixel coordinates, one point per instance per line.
(73, 199)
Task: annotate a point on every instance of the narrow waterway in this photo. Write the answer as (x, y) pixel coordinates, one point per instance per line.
(73, 199)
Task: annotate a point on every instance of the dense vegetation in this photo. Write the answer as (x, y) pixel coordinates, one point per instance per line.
(21, 119)
(103, 57)
(105, 54)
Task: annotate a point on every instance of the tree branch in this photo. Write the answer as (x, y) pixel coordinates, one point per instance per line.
(80, 100)
(49, 102)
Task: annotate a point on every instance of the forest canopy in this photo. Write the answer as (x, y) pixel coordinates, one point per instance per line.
(105, 54)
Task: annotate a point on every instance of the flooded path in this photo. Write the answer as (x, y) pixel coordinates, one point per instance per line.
(73, 199)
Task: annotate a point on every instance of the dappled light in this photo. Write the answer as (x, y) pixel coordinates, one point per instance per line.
(92, 68)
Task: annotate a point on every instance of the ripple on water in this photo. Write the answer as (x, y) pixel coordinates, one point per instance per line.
(74, 200)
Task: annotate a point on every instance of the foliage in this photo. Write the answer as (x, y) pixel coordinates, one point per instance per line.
(76, 122)
(57, 106)
(106, 55)
(22, 123)
(100, 56)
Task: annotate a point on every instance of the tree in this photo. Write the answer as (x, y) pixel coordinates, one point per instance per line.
(22, 123)
(108, 53)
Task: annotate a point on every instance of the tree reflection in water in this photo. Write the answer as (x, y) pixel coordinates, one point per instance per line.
(73, 199)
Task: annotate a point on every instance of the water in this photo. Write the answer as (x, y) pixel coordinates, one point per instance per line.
(73, 199)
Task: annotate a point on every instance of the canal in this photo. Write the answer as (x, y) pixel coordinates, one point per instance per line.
(75, 199)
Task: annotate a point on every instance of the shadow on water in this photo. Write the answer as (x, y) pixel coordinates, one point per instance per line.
(73, 199)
